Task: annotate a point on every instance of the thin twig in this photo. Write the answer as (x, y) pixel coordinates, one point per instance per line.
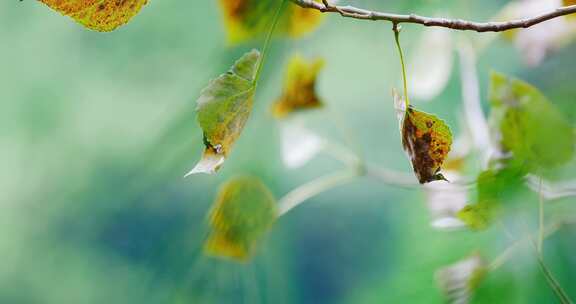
(313, 188)
(540, 218)
(456, 24)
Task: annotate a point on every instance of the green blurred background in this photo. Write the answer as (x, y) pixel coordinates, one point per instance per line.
(97, 130)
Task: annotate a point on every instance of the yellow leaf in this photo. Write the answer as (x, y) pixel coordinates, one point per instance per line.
(427, 140)
(243, 212)
(299, 87)
(246, 19)
(98, 15)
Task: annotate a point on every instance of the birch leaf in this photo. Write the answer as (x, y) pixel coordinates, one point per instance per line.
(246, 19)
(299, 87)
(98, 15)
(459, 280)
(528, 125)
(494, 186)
(223, 109)
(243, 212)
(426, 139)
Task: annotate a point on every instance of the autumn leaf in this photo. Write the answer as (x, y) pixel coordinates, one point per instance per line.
(243, 212)
(246, 19)
(528, 125)
(98, 15)
(459, 280)
(299, 87)
(426, 139)
(223, 109)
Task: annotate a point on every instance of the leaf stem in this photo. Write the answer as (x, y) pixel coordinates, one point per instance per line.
(396, 29)
(540, 217)
(267, 41)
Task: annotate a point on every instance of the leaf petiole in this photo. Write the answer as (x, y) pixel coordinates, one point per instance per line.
(267, 41)
(396, 29)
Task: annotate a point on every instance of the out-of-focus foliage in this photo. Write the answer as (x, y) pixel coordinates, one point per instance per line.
(247, 19)
(243, 211)
(528, 125)
(494, 188)
(98, 15)
(223, 109)
(459, 280)
(299, 91)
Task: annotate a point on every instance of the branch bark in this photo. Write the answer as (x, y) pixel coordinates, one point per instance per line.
(456, 24)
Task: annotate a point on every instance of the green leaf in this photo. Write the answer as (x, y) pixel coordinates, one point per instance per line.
(223, 109)
(494, 186)
(246, 19)
(530, 127)
(426, 139)
(243, 212)
(98, 15)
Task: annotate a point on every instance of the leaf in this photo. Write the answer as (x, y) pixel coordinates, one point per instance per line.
(426, 139)
(494, 186)
(98, 15)
(431, 66)
(246, 19)
(223, 109)
(459, 280)
(243, 212)
(299, 87)
(528, 125)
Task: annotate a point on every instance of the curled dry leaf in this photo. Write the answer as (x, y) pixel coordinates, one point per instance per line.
(426, 139)
(246, 19)
(243, 212)
(459, 280)
(98, 15)
(299, 91)
(223, 109)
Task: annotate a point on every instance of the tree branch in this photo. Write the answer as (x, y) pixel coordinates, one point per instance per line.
(456, 24)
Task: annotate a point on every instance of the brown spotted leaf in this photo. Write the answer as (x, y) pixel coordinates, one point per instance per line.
(223, 109)
(246, 19)
(243, 212)
(427, 141)
(299, 87)
(98, 15)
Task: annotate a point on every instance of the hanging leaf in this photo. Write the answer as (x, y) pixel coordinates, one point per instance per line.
(426, 139)
(223, 109)
(243, 212)
(459, 280)
(528, 125)
(98, 15)
(299, 87)
(246, 19)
